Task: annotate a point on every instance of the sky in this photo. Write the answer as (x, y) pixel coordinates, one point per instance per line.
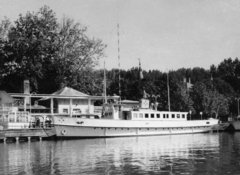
(163, 34)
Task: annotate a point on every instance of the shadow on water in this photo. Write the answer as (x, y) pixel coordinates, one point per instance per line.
(217, 153)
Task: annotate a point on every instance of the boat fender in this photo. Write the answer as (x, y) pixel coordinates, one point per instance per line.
(63, 132)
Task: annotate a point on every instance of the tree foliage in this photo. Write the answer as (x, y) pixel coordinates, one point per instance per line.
(47, 52)
(77, 53)
(208, 100)
(31, 46)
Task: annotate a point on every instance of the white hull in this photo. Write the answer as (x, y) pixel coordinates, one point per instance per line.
(91, 128)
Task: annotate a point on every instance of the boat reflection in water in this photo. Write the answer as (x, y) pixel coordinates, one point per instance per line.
(171, 154)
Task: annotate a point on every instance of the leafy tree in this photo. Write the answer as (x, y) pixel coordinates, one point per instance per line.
(47, 53)
(129, 83)
(229, 70)
(4, 29)
(219, 104)
(184, 100)
(213, 71)
(77, 54)
(30, 47)
(208, 100)
(89, 82)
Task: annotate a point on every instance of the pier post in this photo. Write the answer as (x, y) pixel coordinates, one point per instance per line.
(40, 138)
(4, 140)
(17, 138)
(29, 139)
(70, 107)
(89, 104)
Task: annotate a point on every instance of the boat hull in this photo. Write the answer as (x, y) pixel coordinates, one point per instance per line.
(236, 125)
(93, 128)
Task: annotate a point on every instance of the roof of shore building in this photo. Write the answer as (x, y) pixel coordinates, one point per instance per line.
(66, 91)
(5, 98)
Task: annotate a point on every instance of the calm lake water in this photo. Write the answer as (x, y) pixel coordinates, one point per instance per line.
(212, 153)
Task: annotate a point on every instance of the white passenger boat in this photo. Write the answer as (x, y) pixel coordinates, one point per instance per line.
(138, 122)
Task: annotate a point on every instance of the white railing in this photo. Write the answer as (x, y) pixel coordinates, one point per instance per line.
(20, 117)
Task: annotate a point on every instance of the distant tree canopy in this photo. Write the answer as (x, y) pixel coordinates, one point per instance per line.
(51, 52)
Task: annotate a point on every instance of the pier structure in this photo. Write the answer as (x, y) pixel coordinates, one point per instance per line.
(21, 116)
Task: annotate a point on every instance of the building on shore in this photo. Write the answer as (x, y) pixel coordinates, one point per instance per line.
(22, 110)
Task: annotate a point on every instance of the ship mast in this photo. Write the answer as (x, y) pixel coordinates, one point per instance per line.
(105, 85)
(168, 92)
(119, 75)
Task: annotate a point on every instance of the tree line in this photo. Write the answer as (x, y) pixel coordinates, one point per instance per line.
(51, 52)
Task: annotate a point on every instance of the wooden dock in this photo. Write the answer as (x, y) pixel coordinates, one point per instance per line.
(27, 134)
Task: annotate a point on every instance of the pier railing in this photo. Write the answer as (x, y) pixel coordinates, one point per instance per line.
(31, 125)
(20, 119)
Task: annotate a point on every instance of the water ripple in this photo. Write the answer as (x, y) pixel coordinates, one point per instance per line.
(183, 154)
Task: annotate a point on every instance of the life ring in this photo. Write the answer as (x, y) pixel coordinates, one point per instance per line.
(63, 132)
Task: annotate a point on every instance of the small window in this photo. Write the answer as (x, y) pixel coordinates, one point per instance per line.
(76, 111)
(146, 115)
(167, 116)
(152, 115)
(140, 115)
(65, 111)
(173, 115)
(164, 115)
(135, 115)
(158, 115)
(178, 115)
(183, 116)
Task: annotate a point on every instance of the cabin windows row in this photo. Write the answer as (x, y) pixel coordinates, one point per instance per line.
(173, 116)
(165, 116)
(146, 115)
